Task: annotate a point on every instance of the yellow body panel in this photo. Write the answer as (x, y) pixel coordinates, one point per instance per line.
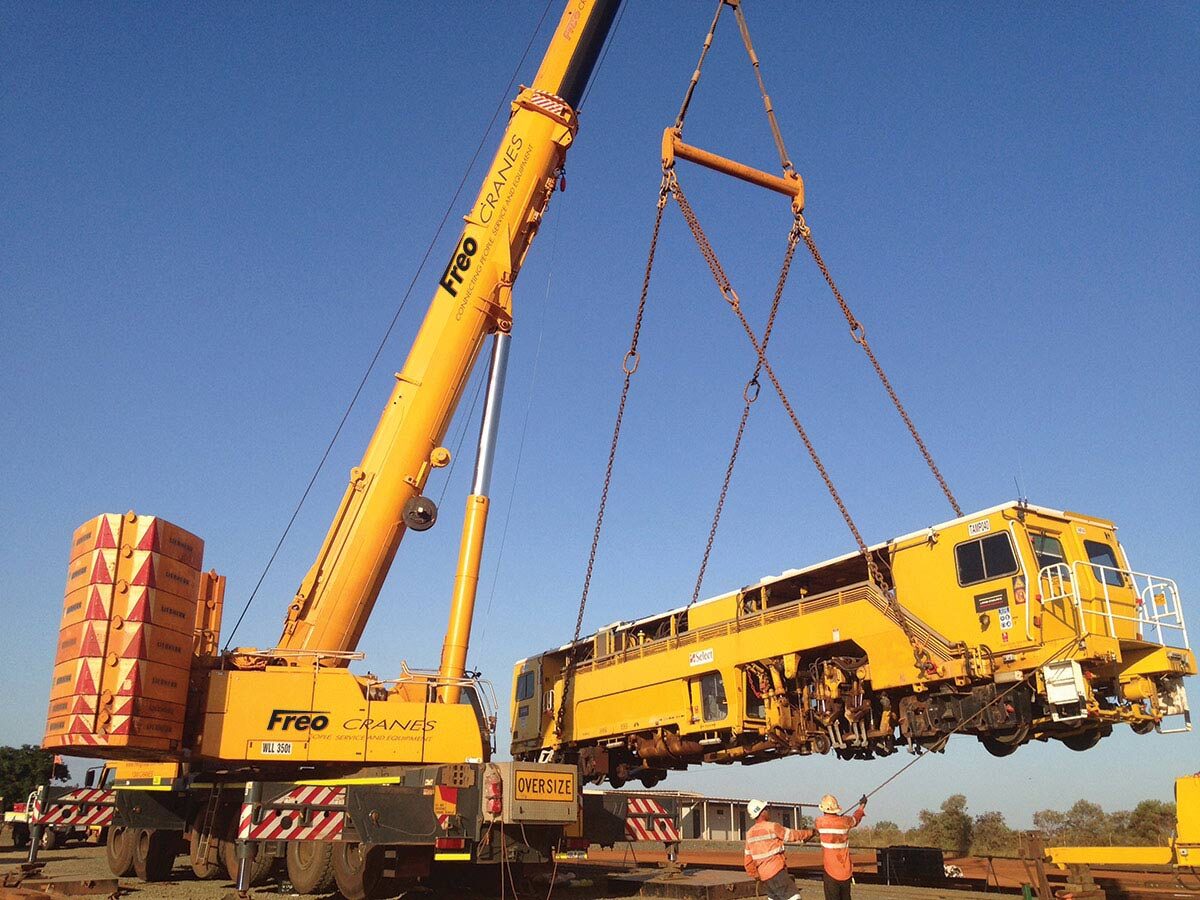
(328, 715)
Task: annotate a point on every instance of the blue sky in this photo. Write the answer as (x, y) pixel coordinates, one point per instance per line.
(211, 213)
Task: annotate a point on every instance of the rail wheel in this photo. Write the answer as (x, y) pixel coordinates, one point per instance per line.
(1085, 740)
(260, 862)
(1005, 743)
(154, 853)
(118, 850)
(1144, 727)
(310, 866)
(357, 870)
(205, 860)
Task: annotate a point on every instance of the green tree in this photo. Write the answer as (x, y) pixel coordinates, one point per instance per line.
(950, 828)
(1151, 823)
(991, 836)
(24, 768)
(887, 834)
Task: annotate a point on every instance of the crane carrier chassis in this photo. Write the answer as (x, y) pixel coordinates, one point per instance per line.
(1013, 624)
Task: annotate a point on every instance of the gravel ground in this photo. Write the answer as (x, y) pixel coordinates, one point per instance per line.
(87, 861)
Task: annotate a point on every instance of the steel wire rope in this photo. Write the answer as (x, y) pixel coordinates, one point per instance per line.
(391, 326)
(1070, 642)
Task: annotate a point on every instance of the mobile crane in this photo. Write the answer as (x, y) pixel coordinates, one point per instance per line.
(356, 774)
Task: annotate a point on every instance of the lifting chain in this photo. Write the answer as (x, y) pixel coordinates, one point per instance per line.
(859, 335)
(920, 655)
(629, 366)
(749, 395)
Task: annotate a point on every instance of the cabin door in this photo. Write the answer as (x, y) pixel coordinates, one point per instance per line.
(527, 702)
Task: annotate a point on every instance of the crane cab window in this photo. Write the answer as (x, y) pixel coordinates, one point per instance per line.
(985, 559)
(1048, 549)
(1102, 555)
(712, 697)
(525, 686)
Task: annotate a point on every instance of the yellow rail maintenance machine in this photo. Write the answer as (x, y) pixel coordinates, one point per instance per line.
(1016, 623)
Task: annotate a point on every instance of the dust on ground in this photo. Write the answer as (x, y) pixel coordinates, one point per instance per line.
(86, 861)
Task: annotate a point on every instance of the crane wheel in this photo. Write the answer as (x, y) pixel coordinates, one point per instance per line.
(1144, 727)
(357, 869)
(154, 853)
(260, 862)
(49, 839)
(118, 850)
(208, 865)
(310, 866)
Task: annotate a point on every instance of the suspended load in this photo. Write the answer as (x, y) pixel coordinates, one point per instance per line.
(1012, 624)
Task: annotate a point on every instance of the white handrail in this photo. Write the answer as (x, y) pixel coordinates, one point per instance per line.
(1147, 589)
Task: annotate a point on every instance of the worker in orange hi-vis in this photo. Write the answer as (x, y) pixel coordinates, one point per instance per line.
(765, 858)
(834, 829)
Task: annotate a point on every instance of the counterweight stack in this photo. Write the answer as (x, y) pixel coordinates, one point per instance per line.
(137, 609)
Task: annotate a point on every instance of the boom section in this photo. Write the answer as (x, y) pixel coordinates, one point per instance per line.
(473, 299)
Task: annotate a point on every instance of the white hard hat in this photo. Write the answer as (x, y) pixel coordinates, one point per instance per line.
(830, 805)
(755, 808)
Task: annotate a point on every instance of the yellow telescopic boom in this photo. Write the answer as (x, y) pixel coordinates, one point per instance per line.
(473, 299)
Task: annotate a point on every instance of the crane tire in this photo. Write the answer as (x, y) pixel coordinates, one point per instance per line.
(118, 850)
(260, 862)
(154, 852)
(50, 839)
(211, 865)
(310, 866)
(357, 870)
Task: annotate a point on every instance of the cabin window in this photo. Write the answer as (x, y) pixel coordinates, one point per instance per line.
(525, 686)
(985, 559)
(1103, 555)
(1048, 549)
(712, 697)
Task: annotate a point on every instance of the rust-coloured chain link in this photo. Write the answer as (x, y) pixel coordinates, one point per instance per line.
(749, 395)
(629, 365)
(858, 334)
(920, 655)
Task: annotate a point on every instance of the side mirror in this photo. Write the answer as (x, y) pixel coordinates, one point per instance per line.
(89, 780)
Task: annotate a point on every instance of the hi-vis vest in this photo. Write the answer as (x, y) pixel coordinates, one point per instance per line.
(835, 843)
(764, 857)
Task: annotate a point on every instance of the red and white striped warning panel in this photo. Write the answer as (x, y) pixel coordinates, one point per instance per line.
(292, 823)
(653, 828)
(644, 806)
(86, 806)
(315, 796)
